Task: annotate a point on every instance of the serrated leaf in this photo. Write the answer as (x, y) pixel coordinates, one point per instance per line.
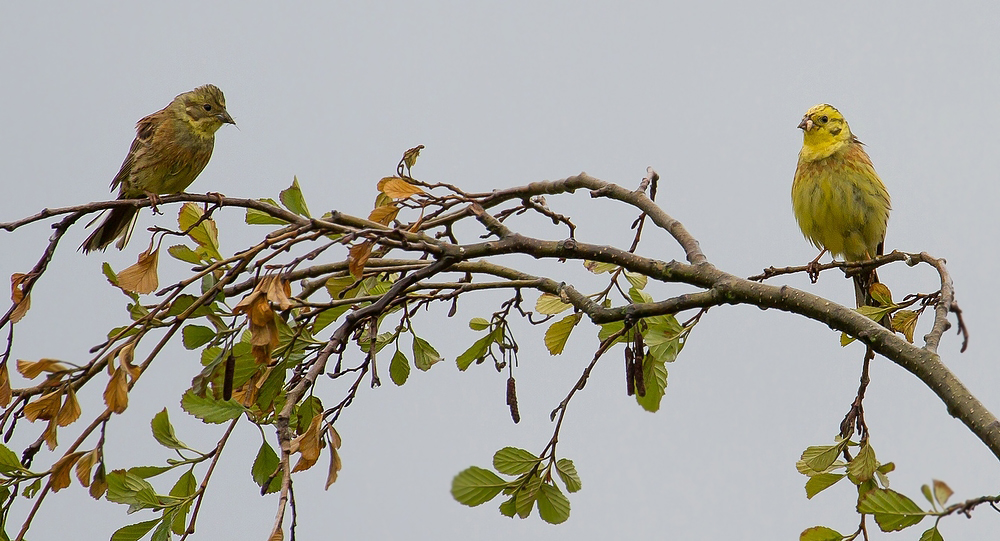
(264, 465)
(211, 410)
(942, 492)
(862, 466)
(184, 253)
(598, 267)
(141, 277)
(905, 321)
(134, 532)
(475, 486)
(206, 234)
(258, 217)
(478, 324)
(820, 533)
(819, 458)
(654, 373)
(514, 461)
(476, 351)
(292, 198)
(397, 188)
(637, 280)
(399, 368)
(549, 304)
(424, 355)
(553, 506)
(567, 472)
(819, 483)
(931, 535)
(892, 510)
(196, 336)
(163, 431)
(880, 293)
(558, 333)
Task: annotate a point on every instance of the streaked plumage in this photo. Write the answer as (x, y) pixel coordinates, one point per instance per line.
(170, 149)
(839, 201)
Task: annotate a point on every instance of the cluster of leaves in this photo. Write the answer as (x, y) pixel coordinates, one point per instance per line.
(891, 510)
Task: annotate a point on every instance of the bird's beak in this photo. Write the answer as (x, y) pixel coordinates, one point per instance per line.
(225, 118)
(806, 124)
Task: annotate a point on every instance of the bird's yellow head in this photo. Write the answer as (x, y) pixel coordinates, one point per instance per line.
(204, 108)
(824, 132)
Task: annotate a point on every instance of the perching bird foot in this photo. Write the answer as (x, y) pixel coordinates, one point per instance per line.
(154, 201)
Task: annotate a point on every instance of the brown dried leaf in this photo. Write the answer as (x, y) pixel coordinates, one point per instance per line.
(357, 258)
(125, 357)
(141, 277)
(22, 301)
(398, 188)
(50, 436)
(61, 469)
(335, 462)
(32, 369)
(85, 465)
(116, 394)
(46, 407)
(384, 214)
(279, 292)
(308, 445)
(5, 391)
(70, 410)
(99, 484)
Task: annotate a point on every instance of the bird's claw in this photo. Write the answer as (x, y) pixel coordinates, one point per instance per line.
(154, 201)
(812, 270)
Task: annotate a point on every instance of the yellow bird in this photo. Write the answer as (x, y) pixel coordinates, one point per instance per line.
(170, 149)
(839, 201)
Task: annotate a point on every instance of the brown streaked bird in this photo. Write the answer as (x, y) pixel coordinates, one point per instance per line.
(170, 149)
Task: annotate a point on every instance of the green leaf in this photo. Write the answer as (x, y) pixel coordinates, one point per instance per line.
(607, 329)
(892, 510)
(205, 234)
(328, 316)
(145, 472)
(399, 368)
(424, 355)
(132, 490)
(549, 304)
(476, 351)
(553, 506)
(845, 339)
(637, 280)
(558, 333)
(926, 491)
(875, 313)
(931, 535)
(211, 410)
(478, 324)
(258, 217)
(185, 486)
(862, 466)
(110, 274)
(880, 293)
(598, 267)
(9, 461)
(819, 483)
(819, 458)
(264, 465)
(639, 296)
(292, 198)
(820, 533)
(567, 472)
(905, 321)
(527, 495)
(184, 253)
(665, 338)
(162, 531)
(514, 461)
(196, 336)
(134, 532)
(163, 431)
(508, 508)
(654, 374)
(475, 486)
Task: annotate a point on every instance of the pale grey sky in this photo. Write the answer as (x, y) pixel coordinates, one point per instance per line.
(502, 94)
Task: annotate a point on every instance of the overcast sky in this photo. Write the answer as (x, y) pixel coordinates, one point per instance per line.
(502, 94)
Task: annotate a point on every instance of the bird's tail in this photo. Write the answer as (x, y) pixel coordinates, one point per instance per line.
(862, 288)
(119, 223)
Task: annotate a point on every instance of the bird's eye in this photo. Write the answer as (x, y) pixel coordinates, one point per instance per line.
(208, 107)
(824, 119)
